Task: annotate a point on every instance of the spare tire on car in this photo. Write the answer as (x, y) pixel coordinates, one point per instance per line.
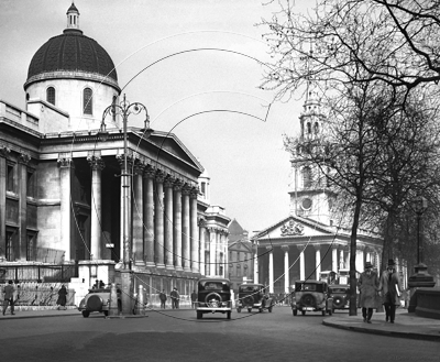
(308, 300)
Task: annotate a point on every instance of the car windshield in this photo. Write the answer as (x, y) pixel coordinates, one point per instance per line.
(214, 285)
(339, 290)
(308, 287)
(249, 289)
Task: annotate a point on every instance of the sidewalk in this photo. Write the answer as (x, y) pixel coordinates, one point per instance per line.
(406, 325)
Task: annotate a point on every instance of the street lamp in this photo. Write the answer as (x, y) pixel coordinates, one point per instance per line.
(420, 206)
(125, 109)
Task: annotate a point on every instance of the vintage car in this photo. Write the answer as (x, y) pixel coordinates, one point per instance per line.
(341, 295)
(97, 300)
(254, 296)
(311, 296)
(213, 296)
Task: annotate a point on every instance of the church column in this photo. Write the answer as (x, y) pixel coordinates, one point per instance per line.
(148, 215)
(194, 233)
(201, 224)
(169, 230)
(178, 225)
(185, 228)
(159, 225)
(66, 167)
(285, 248)
(302, 263)
(335, 260)
(138, 209)
(256, 266)
(97, 165)
(212, 251)
(270, 249)
(4, 153)
(317, 260)
(23, 161)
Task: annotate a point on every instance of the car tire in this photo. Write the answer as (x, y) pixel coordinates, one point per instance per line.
(303, 312)
(323, 312)
(260, 310)
(249, 310)
(228, 315)
(308, 300)
(85, 313)
(106, 313)
(199, 315)
(213, 296)
(295, 312)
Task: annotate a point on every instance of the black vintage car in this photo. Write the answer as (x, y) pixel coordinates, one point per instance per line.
(254, 296)
(313, 296)
(341, 295)
(213, 296)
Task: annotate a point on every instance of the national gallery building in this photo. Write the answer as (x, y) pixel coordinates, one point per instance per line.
(68, 165)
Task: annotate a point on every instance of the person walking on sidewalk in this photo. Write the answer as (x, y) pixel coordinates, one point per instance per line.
(8, 298)
(368, 286)
(175, 298)
(62, 298)
(163, 299)
(390, 289)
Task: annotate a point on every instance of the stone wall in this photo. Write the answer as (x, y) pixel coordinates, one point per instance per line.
(428, 302)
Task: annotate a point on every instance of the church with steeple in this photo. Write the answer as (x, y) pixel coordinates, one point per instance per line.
(61, 181)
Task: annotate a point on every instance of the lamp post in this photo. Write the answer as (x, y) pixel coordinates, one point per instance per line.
(125, 109)
(420, 206)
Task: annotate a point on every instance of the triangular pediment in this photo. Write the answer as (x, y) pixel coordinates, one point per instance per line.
(294, 227)
(240, 246)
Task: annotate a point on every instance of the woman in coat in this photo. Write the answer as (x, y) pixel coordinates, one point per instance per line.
(62, 297)
(368, 285)
(390, 290)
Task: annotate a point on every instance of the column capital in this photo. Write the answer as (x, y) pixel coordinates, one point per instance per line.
(317, 247)
(149, 171)
(186, 190)
(64, 159)
(160, 176)
(194, 192)
(201, 222)
(360, 247)
(269, 247)
(130, 159)
(24, 158)
(138, 167)
(300, 247)
(96, 162)
(4, 151)
(178, 184)
(285, 247)
(169, 181)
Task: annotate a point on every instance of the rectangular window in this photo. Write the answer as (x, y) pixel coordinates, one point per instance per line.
(30, 192)
(31, 247)
(11, 179)
(9, 254)
(88, 101)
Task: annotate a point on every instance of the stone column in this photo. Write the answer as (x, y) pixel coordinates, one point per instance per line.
(212, 251)
(317, 260)
(148, 215)
(97, 165)
(194, 232)
(285, 248)
(159, 224)
(201, 224)
(335, 258)
(178, 253)
(66, 165)
(4, 154)
(256, 266)
(169, 223)
(302, 262)
(341, 259)
(186, 228)
(360, 258)
(270, 249)
(138, 210)
(23, 161)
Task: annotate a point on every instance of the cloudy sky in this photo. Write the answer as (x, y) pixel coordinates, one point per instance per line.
(180, 59)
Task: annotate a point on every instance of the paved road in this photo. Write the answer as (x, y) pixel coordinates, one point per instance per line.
(179, 336)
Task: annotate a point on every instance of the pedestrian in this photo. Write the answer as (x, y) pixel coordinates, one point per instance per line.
(163, 299)
(62, 298)
(8, 299)
(194, 299)
(175, 298)
(368, 287)
(390, 289)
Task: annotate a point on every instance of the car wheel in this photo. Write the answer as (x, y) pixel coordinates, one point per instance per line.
(270, 309)
(239, 310)
(303, 312)
(213, 300)
(260, 310)
(85, 313)
(330, 312)
(228, 315)
(106, 313)
(295, 312)
(308, 300)
(338, 302)
(199, 315)
(249, 310)
(323, 312)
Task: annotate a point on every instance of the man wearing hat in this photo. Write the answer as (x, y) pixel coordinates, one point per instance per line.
(175, 298)
(368, 286)
(390, 289)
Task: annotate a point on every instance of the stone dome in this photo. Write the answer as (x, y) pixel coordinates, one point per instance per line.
(72, 55)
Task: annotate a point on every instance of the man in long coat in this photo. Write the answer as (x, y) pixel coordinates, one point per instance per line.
(390, 289)
(368, 286)
(8, 298)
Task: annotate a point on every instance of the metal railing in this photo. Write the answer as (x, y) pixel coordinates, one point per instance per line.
(40, 273)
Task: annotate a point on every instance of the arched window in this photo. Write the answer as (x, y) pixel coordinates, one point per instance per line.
(307, 177)
(88, 101)
(50, 95)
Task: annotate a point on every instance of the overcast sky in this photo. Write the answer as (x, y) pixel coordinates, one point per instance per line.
(243, 155)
